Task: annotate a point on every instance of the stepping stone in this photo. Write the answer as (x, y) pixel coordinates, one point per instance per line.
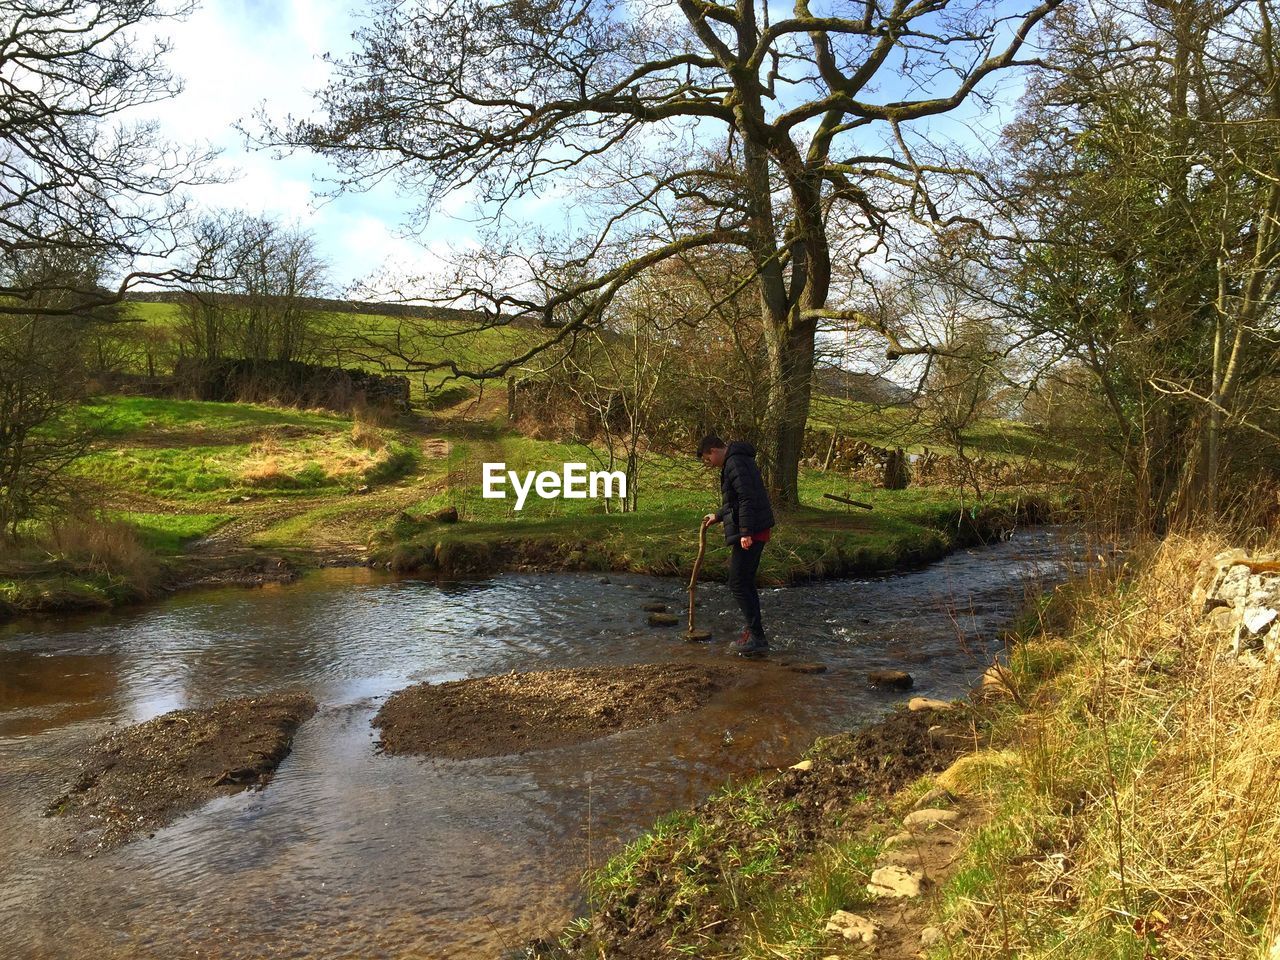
(897, 840)
(656, 608)
(890, 680)
(663, 619)
(807, 667)
(895, 882)
(853, 926)
(901, 857)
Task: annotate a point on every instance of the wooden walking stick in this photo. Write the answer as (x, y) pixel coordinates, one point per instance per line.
(693, 634)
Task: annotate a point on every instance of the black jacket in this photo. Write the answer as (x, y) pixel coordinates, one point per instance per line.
(746, 507)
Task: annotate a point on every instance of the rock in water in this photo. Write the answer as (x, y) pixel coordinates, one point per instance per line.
(811, 668)
(663, 619)
(890, 680)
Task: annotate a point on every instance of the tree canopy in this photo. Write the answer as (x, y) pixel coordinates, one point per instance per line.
(673, 127)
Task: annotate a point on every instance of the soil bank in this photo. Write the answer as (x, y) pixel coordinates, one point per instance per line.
(516, 712)
(144, 776)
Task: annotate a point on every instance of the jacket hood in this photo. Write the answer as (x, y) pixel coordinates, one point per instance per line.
(740, 448)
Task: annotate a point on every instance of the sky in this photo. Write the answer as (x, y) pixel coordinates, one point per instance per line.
(236, 55)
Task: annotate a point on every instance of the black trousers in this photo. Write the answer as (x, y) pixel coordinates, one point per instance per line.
(743, 565)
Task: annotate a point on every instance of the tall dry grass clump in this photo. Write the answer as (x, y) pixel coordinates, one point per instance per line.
(1135, 793)
(364, 455)
(105, 547)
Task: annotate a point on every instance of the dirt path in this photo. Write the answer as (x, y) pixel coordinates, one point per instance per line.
(331, 529)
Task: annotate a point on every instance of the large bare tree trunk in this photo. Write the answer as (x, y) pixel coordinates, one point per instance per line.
(790, 386)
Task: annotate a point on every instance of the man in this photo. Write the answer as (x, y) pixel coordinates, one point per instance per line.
(748, 519)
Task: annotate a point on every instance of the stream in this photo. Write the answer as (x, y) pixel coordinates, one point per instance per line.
(351, 853)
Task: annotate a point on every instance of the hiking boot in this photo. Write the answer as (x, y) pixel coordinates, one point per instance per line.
(749, 646)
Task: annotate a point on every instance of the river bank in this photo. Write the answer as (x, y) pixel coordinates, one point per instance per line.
(906, 532)
(180, 494)
(810, 544)
(1110, 792)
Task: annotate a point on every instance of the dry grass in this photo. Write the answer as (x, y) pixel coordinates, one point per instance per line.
(366, 436)
(1137, 797)
(271, 463)
(111, 548)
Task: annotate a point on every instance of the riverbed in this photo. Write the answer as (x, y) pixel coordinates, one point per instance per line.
(353, 853)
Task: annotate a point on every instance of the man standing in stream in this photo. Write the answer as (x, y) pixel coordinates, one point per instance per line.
(747, 516)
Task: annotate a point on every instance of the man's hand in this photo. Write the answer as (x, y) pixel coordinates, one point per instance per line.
(709, 519)
(746, 542)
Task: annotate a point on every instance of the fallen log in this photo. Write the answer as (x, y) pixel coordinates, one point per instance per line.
(852, 503)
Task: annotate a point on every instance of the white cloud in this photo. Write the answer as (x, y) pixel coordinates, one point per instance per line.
(367, 249)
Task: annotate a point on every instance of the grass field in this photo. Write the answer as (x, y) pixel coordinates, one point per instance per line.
(434, 340)
(902, 427)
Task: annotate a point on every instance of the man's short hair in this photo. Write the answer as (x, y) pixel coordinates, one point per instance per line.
(709, 442)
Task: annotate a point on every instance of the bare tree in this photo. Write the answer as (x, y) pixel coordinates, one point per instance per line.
(1147, 180)
(620, 374)
(76, 175)
(42, 378)
(254, 302)
(676, 127)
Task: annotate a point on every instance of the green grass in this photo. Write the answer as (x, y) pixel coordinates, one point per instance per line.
(203, 451)
(425, 339)
(819, 539)
(122, 418)
(63, 592)
(168, 533)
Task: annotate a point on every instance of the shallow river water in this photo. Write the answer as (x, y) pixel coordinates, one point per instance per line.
(350, 853)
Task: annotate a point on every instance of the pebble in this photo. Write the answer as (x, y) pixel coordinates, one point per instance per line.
(916, 704)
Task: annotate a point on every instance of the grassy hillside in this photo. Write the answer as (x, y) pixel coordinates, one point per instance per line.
(428, 340)
(435, 340)
(902, 427)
